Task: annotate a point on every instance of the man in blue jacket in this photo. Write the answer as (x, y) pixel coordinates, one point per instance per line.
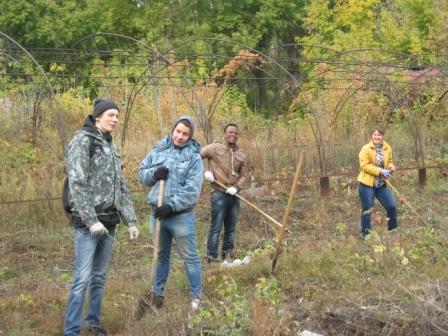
(177, 160)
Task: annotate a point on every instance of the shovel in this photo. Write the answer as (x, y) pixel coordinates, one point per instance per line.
(146, 300)
(155, 254)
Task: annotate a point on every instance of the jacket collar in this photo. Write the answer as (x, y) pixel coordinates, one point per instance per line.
(385, 144)
(89, 127)
(235, 147)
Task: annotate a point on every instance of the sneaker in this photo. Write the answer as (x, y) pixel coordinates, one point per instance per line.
(364, 236)
(96, 331)
(211, 259)
(228, 255)
(195, 304)
(147, 301)
(392, 231)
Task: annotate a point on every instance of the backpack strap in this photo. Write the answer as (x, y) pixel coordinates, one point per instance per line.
(93, 143)
(65, 189)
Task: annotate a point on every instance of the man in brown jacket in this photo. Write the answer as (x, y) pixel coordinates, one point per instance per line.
(226, 164)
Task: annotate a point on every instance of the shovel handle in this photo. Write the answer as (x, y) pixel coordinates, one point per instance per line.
(155, 254)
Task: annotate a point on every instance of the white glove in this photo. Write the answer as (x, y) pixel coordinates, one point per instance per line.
(133, 232)
(209, 176)
(231, 191)
(98, 229)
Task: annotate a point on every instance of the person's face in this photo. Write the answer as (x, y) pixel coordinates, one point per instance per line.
(231, 134)
(181, 134)
(377, 137)
(107, 121)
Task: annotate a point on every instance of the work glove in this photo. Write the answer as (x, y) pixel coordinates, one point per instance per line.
(231, 191)
(163, 211)
(133, 232)
(98, 229)
(386, 173)
(161, 173)
(209, 176)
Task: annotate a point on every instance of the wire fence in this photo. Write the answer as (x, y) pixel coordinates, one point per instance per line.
(253, 180)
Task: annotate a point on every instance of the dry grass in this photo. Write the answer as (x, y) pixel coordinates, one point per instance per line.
(328, 280)
(329, 283)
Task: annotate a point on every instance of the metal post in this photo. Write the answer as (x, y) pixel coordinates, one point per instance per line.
(422, 177)
(324, 186)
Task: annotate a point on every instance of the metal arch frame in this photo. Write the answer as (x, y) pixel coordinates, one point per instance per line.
(155, 52)
(59, 117)
(350, 92)
(341, 52)
(271, 60)
(161, 55)
(244, 46)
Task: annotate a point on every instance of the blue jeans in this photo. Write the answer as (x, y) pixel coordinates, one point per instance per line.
(92, 257)
(225, 209)
(181, 227)
(384, 196)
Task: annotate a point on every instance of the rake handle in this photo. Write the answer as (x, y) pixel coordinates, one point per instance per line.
(273, 220)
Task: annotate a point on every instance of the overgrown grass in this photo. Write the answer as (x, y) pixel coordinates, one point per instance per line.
(327, 280)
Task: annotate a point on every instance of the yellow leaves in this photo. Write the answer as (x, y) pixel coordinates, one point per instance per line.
(211, 279)
(363, 259)
(398, 251)
(358, 14)
(5, 144)
(26, 300)
(54, 67)
(379, 249)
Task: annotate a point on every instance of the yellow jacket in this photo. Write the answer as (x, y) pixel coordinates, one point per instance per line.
(369, 169)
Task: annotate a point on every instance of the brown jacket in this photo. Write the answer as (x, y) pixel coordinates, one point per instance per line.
(220, 158)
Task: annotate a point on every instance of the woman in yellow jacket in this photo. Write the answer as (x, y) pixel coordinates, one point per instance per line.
(375, 160)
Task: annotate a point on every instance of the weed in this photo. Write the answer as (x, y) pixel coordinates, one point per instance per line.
(267, 290)
(226, 314)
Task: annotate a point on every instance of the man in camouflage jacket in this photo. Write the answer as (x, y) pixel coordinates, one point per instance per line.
(98, 198)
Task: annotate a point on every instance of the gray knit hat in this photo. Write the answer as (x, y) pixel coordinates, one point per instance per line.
(102, 105)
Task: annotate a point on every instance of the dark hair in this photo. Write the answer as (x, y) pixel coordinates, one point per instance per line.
(379, 129)
(228, 125)
(186, 123)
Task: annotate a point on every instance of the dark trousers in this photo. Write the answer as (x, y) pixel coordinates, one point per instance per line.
(225, 209)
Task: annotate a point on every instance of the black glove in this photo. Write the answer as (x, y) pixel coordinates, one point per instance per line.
(163, 211)
(161, 173)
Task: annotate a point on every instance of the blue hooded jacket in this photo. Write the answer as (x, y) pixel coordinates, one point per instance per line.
(183, 186)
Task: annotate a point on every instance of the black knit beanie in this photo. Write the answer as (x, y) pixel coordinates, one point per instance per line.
(102, 105)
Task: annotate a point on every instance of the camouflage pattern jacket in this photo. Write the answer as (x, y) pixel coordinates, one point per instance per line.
(183, 186)
(96, 184)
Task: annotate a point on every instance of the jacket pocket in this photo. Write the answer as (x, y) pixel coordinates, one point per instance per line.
(157, 162)
(182, 172)
(238, 160)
